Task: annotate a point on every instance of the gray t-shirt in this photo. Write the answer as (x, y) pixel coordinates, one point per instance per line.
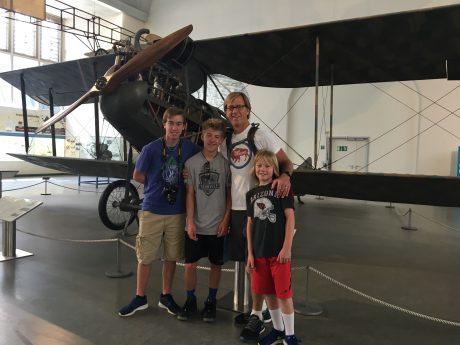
(209, 184)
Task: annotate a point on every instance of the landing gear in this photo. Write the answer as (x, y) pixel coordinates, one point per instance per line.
(114, 209)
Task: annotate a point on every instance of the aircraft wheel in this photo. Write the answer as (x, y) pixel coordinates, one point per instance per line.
(108, 208)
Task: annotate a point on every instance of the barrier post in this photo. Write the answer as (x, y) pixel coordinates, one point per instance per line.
(308, 309)
(46, 178)
(118, 272)
(409, 224)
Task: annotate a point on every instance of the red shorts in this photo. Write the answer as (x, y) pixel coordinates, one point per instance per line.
(272, 278)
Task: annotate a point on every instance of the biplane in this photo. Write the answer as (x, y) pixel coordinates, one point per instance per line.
(136, 89)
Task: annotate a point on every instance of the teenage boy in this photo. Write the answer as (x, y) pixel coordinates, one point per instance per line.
(208, 204)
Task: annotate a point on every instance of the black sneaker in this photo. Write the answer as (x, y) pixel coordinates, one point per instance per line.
(266, 316)
(252, 330)
(167, 302)
(188, 308)
(242, 318)
(209, 311)
(136, 304)
(273, 337)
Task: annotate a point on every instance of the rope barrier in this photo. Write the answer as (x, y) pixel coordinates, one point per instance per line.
(68, 239)
(386, 304)
(436, 222)
(33, 185)
(76, 189)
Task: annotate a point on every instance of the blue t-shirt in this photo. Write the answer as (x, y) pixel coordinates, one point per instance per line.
(159, 171)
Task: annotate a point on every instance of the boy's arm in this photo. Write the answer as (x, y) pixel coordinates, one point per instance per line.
(190, 207)
(285, 253)
(250, 265)
(223, 226)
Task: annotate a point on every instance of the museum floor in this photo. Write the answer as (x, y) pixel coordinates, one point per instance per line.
(62, 295)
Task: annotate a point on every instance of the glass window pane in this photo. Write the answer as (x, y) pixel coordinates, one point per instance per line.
(5, 88)
(4, 30)
(50, 42)
(24, 36)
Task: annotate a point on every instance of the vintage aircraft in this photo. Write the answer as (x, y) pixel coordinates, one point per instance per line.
(403, 46)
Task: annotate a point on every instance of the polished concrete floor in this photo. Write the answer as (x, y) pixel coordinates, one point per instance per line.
(62, 295)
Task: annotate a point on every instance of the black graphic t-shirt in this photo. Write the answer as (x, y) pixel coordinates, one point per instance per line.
(267, 213)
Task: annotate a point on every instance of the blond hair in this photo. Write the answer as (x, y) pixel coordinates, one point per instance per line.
(270, 158)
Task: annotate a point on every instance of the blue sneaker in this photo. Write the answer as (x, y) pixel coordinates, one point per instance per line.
(167, 302)
(290, 340)
(273, 337)
(136, 304)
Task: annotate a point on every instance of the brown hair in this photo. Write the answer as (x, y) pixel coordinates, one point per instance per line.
(173, 111)
(270, 158)
(216, 124)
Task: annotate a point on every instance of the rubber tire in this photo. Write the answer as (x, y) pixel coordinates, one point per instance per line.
(115, 192)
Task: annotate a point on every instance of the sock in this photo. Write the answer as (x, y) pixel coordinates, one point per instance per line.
(258, 313)
(212, 294)
(288, 320)
(277, 319)
(190, 293)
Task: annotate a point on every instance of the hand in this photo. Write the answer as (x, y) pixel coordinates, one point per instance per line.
(250, 267)
(191, 232)
(222, 229)
(284, 256)
(282, 185)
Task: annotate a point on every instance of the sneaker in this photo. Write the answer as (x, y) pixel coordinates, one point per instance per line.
(188, 308)
(136, 304)
(290, 340)
(242, 318)
(251, 331)
(209, 311)
(167, 302)
(273, 337)
(266, 316)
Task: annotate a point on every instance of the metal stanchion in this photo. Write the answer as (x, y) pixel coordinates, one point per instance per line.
(390, 205)
(319, 197)
(46, 178)
(309, 309)
(409, 224)
(118, 272)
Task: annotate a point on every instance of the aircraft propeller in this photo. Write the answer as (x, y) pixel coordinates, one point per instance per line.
(109, 82)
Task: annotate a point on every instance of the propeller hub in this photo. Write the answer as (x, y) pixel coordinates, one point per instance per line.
(101, 82)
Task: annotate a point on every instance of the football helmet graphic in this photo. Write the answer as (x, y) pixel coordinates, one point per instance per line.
(263, 208)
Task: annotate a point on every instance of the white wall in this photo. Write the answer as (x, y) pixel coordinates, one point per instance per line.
(359, 110)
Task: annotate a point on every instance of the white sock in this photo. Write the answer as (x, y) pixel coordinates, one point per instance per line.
(258, 313)
(264, 305)
(277, 319)
(288, 320)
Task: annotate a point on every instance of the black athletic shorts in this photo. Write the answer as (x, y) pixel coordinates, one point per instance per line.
(238, 247)
(209, 246)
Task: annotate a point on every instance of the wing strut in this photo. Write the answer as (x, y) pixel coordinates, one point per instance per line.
(316, 104)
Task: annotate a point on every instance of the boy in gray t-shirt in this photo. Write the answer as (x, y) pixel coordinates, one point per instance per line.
(208, 203)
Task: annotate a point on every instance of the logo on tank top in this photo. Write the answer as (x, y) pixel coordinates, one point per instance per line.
(240, 155)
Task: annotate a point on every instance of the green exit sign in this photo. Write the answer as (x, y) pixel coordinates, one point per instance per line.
(342, 148)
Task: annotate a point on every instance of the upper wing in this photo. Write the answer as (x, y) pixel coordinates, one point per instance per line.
(68, 80)
(78, 166)
(403, 46)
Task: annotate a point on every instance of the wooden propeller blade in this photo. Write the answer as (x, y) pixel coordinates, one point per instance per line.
(143, 59)
(146, 57)
(93, 92)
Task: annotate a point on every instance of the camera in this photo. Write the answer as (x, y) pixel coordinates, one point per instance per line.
(170, 193)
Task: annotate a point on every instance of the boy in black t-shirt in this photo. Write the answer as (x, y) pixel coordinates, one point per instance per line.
(270, 230)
